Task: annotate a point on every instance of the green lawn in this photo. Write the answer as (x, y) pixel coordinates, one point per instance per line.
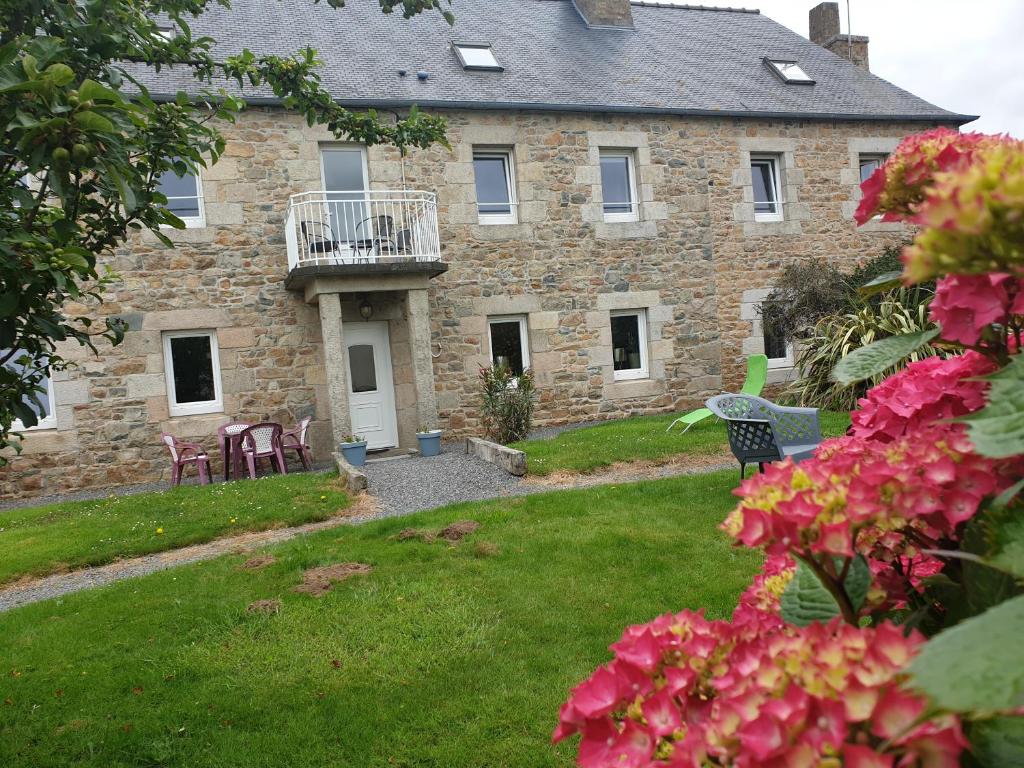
(444, 655)
(638, 439)
(40, 540)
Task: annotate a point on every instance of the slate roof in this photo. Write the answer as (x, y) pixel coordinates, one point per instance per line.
(679, 59)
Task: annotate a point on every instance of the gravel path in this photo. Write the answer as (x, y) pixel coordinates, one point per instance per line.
(405, 485)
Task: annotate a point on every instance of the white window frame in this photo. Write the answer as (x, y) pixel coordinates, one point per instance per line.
(192, 222)
(634, 205)
(643, 372)
(524, 336)
(50, 421)
(507, 155)
(774, 363)
(206, 406)
(774, 164)
(881, 157)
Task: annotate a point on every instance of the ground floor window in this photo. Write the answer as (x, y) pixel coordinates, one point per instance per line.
(193, 373)
(629, 344)
(42, 405)
(509, 343)
(777, 347)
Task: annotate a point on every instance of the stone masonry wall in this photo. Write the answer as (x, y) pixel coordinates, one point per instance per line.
(687, 262)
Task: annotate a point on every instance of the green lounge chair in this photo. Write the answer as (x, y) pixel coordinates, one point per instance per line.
(757, 377)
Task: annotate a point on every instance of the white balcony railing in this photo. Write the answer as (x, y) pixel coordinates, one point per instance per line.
(364, 227)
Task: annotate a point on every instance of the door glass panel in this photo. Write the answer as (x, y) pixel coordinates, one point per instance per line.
(361, 368)
(345, 185)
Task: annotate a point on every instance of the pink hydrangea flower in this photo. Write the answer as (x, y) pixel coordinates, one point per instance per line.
(965, 305)
(757, 692)
(922, 393)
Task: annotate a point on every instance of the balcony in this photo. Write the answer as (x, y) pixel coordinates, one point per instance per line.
(360, 233)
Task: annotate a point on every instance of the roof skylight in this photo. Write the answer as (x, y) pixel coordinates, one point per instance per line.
(789, 71)
(477, 56)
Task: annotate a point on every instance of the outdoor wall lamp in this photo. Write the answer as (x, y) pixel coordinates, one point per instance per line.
(365, 309)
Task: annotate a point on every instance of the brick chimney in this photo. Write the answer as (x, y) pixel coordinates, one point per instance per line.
(605, 14)
(824, 27)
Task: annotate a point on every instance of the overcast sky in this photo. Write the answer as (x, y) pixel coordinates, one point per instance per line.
(967, 57)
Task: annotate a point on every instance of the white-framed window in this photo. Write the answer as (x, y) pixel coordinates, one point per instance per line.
(184, 197)
(789, 71)
(777, 348)
(43, 406)
(477, 56)
(192, 369)
(494, 172)
(869, 163)
(629, 344)
(618, 185)
(510, 344)
(767, 190)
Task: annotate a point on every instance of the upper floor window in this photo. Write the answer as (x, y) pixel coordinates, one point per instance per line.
(477, 56)
(184, 197)
(629, 344)
(767, 190)
(192, 368)
(869, 164)
(618, 185)
(42, 405)
(495, 186)
(510, 346)
(789, 71)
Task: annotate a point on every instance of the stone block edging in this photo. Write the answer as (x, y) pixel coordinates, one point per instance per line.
(353, 477)
(509, 459)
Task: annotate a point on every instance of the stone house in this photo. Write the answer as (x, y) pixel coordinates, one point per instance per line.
(625, 181)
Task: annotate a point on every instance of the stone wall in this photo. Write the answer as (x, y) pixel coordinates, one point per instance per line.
(687, 261)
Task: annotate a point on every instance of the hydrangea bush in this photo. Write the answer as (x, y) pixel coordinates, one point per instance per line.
(886, 629)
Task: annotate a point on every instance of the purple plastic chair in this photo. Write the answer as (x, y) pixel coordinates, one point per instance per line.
(295, 440)
(263, 441)
(183, 454)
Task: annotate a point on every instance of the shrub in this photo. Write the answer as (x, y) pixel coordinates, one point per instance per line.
(807, 292)
(507, 401)
(833, 337)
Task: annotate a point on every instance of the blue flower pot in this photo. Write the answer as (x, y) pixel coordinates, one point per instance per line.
(430, 442)
(354, 453)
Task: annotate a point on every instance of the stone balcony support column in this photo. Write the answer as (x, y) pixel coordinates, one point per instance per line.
(336, 364)
(418, 311)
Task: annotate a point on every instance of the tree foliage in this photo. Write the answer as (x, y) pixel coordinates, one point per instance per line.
(85, 144)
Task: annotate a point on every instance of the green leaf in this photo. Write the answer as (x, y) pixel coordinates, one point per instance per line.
(997, 430)
(59, 74)
(977, 665)
(984, 584)
(998, 742)
(879, 356)
(1006, 532)
(91, 121)
(8, 304)
(881, 283)
(90, 89)
(806, 599)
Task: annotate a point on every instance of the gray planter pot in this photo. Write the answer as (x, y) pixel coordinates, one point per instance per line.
(430, 442)
(354, 453)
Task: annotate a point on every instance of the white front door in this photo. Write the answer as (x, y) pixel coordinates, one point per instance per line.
(371, 388)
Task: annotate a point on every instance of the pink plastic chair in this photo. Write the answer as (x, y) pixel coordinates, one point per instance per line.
(229, 438)
(295, 440)
(263, 441)
(183, 454)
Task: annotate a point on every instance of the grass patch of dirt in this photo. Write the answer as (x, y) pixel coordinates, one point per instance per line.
(319, 581)
(633, 471)
(453, 533)
(264, 606)
(259, 561)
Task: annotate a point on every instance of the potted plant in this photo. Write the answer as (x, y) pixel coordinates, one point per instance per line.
(429, 440)
(353, 448)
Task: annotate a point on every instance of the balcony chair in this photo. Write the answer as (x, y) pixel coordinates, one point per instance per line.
(263, 441)
(376, 234)
(183, 454)
(295, 440)
(757, 376)
(761, 431)
(318, 237)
